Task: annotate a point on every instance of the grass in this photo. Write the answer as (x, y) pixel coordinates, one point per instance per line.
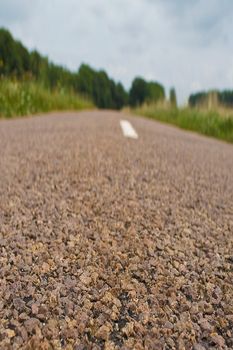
(217, 123)
(18, 98)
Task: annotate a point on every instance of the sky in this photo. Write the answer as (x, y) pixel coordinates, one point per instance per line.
(187, 44)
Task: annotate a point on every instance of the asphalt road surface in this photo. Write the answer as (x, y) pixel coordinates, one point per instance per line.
(111, 242)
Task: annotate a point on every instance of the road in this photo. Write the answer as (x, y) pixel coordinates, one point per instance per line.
(110, 242)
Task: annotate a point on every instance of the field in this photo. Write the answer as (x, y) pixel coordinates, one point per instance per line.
(217, 123)
(19, 98)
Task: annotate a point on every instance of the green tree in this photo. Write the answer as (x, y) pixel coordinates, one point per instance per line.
(23, 58)
(104, 92)
(16, 60)
(155, 92)
(119, 95)
(11, 61)
(35, 64)
(142, 91)
(173, 100)
(138, 92)
(197, 98)
(85, 80)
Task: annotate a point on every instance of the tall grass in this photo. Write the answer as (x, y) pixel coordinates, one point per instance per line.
(19, 98)
(216, 123)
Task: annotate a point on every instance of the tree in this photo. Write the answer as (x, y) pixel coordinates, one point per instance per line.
(155, 92)
(138, 92)
(197, 98)
(143, 91)
(226, 98)
(11, 61)
(119, 95)
(173, 100)
(104, 92)
(16, 60)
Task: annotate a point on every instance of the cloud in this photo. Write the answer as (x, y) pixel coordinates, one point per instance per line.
(15, 11)
(186, 44)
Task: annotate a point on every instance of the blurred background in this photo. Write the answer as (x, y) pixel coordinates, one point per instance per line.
(152, 55)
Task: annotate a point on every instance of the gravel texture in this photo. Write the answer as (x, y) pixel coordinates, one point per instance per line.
(113, 243)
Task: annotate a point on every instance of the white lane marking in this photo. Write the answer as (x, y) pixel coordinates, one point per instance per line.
(128, 130)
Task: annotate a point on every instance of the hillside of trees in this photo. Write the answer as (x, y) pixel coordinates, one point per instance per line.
(16, 61)
(213, 98)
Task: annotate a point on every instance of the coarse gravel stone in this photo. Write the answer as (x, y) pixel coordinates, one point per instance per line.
(112, 243)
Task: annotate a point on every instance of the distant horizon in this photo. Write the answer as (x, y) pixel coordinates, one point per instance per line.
(191, 48)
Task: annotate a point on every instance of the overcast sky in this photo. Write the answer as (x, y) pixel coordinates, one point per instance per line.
(183, 43)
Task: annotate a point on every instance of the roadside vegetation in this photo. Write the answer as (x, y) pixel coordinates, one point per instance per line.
(18, 64)
(30, 83)
(216, 122)
(19, 98)
(209, 113)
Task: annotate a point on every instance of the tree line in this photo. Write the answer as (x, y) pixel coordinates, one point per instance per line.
(17, 61)
(203, 98)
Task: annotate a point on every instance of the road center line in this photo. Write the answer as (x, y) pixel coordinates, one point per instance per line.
(128, 130)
